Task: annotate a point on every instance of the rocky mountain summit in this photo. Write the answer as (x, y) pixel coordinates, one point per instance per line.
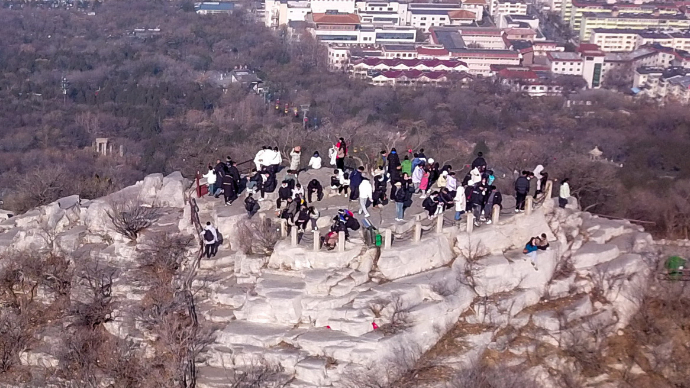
(274, 308)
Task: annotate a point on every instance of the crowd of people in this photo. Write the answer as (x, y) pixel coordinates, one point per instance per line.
(393, 178)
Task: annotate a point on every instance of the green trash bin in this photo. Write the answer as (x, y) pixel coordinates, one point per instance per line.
(674, 266)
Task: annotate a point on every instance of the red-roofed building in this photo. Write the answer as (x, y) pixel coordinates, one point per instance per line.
(432, 52)
(461, 17)
(522, 79)
(335, 21)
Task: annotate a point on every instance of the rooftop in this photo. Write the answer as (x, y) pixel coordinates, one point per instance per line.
(335, 18)
(461, 14)
(417, 6)
(215, 6)
(564, 56)
(474, 2)
(680, 80)
(399, 47)
(638, 16)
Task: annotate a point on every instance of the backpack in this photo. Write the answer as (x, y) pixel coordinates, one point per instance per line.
(208, 235)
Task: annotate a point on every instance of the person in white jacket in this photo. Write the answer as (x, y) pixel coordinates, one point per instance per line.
(333, 155)
(259, 158)
(211, 180)
(417, 175)
(460, 203)
(564, 193)
(366, 193)
(272, 159)
(475, 177)
(315, 161)
(295, 158)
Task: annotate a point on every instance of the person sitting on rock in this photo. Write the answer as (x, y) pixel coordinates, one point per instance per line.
(314, 186)
(315, 161)
(210, 237)
(251, 205)
(290, 211)
(531, 251)
(270, 182)
(542, 242)
(430, 204)
(330, 240)
(302, 219)
(344, 187)
(291, 178)
(284, 192)
(446, 200)
(298, 191)
(335, 179)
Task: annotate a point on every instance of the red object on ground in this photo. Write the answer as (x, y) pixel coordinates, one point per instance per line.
(328, 327)
(374, 325)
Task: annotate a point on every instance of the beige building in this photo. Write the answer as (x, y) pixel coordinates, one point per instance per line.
(616, 20)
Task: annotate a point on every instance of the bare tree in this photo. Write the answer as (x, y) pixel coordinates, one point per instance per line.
(257, 236)
(129, 218)
(258, 373)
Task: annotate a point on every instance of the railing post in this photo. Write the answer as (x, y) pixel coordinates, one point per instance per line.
(283, 228)
(198, 185)
(439, 223)
(388, 239)
(470, 222)
(293, 236)
(341, 241)
(417, 232)
(317, 240)
(548, 189)
(495, 214)
(529, 203)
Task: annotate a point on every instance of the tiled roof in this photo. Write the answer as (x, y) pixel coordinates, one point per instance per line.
(393, 62)
(413, 74)
(439, 51)
(461, 14)
(475, 2)
(327, 18)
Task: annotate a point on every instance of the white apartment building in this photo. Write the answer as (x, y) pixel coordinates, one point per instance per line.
(614, 40)
(587, 63)
(555, 5)
(323, 6)
(678, 40)
(663, 84)
(476, 6)
(427, 18)
(508, 7)
(279, 13)
(347, 29)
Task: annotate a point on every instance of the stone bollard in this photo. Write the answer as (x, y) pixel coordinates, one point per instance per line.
(293, 236)
(548, 189)
(341, 241)
(283, 228)
(387, 238)
(417, 232)
(439, 223)
(317, 240)
(470, 222)
(529, 204)
(495, 214)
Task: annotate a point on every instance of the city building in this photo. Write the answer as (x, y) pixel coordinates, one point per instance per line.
(630, 21)
(508, 7)
(588, 63)
(525, 80)
(663, 85)
(428, 18)
(214, 7)
(332, 27)
(340, 6)
(580, 7)
(280, 13)
(518, 21)
(476, 6)
(614, 40)
(360, 67)
(461, 17)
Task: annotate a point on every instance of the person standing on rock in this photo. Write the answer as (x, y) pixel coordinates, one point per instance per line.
(521, 190)
(477, 201)
(393, 161)
(295, 158)
(314, 217)
(355, 179)
(211, 180)
(235, 174)
(406, 166)
(460, 203)
(399, 196)
(341, 153)
(564, 193)
(365, 196)
(284, 192)
(229, 189)
(494, 197)
(479, 163)
(210, 237)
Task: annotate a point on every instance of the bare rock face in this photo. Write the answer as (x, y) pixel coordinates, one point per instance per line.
(321, 316)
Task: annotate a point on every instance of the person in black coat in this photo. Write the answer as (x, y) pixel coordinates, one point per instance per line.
(302, 218)
(229, 189)
(379, 195)
(521, 190)
(235, 174)
(479, 163)
(493, 197)
(314, 186)
(430, 204)
(476, 201)
(251, 205)
(355, 180)
(270, 183)
(284, 192)
(446, 199)
(393, 161)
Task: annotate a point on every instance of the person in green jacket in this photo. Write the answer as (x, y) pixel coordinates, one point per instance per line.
(407, 166)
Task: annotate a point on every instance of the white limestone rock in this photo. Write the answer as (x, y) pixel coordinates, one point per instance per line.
(149, 188)
(496, 239)
(580, 308)
(312, 370)
(592, 254)
(411, 258)
(38, 359)
(561, 288)
(302, 257)
(172, 191)
(546, 320)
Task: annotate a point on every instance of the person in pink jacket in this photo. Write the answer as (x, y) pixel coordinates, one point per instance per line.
(424, 184)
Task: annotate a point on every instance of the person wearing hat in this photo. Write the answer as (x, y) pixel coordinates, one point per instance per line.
(399, 197)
